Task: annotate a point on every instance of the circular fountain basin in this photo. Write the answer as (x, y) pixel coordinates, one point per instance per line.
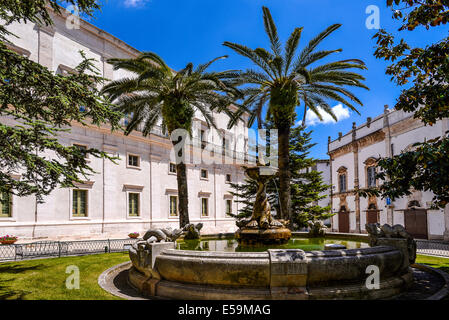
(232, 244)
(276, 273)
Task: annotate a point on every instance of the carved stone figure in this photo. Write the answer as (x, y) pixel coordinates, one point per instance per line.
(192, 231)
(262, 227)
(317, 228)
(397, 231)
(261, 217)
(162, 235)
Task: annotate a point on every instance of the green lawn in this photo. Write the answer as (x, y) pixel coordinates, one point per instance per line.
(45, 279)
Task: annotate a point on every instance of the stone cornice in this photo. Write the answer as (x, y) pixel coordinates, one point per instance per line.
(127, 187)
(84, 184)
(353, 146)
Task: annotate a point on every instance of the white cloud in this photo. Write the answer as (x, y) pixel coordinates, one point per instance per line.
(340, 112)
(134, 3)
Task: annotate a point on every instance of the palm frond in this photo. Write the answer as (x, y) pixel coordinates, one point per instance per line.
(290, 48)
(271, 30)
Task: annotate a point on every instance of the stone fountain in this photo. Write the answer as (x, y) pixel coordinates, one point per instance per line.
(262, 228)
(159, 270)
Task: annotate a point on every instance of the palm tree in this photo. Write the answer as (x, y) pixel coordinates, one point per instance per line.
(283, 79)
(159, 93)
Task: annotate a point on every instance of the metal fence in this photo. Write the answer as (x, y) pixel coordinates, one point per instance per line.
(62, 248)
(436, 248)
(84, 247)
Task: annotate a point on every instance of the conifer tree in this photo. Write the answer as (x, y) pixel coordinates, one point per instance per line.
(306, 185)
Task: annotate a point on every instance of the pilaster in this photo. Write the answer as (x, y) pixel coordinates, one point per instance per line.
(355, 150)
(45, 55)
(446, 223)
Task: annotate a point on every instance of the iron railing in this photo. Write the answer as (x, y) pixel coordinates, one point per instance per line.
(62, 248)
(433, 247)
(84, 247)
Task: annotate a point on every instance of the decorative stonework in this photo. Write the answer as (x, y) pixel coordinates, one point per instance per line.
(405, 126)
(363, 142)
(132, 187)
(84, 184)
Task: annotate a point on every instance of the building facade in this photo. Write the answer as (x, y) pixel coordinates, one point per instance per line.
(353, 165)
(139, 191)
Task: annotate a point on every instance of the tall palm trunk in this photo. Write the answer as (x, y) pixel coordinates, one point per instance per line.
(284, 171)
(181, 175)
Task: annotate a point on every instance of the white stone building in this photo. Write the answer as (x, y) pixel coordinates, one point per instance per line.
(353, 158)
(138, 192)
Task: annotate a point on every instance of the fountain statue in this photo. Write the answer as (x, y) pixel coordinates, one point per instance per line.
(262, 228)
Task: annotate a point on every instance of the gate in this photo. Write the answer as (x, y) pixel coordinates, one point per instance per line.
(416, 223)
(343, 221)
(372, 216)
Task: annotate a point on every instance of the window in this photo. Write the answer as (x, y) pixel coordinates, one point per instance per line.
(225, 145)
(172, 168)
(228, 178)
(228, 207)
(79, 205)
(134, 204)
(173, 206)
(133, 160)
(203, 139)
(342, 182)
(371, 175)
(204, 207)
(5, 204)
(203, 174)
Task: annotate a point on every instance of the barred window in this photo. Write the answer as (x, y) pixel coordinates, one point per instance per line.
(204, 207)
(133, 199)
(5, 204)
(342, 182)
(228, 207)
(79, 203)
(371, 173)
(173, 206)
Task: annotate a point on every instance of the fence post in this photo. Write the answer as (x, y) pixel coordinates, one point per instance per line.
(109, 245)
(59, 248)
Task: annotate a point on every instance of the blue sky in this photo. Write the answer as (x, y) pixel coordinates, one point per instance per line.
(194, 30)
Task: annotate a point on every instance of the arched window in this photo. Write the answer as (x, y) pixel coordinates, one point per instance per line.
(370, 169)
(342, 179)
(371, 175)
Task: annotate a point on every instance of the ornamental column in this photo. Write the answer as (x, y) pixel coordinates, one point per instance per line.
(355, 150)
(388, 154)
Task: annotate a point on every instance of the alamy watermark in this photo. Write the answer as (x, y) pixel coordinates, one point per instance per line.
(373, 19)
(73, 280)
(373, 280)
(253, 147)
(73, 19)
